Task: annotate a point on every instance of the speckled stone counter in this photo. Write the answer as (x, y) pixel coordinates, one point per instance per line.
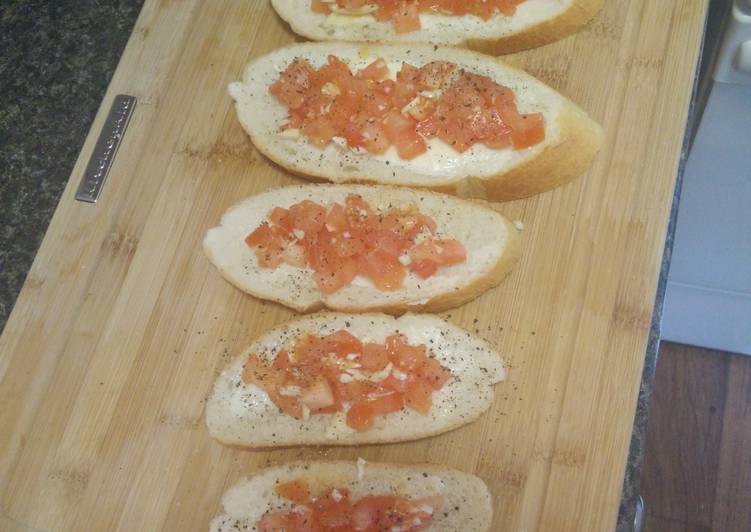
(56, 59)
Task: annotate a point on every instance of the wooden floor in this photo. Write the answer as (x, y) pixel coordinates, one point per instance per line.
(697, 469)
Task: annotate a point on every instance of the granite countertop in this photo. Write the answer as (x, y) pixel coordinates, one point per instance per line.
(56, 60)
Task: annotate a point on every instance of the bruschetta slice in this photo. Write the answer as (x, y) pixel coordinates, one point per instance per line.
(361, 248)
(350, 379)
(445, 119)
(362, 496)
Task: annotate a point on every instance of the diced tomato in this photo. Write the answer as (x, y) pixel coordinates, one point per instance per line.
(433, 75)
(406, 357)
(407, 18)
(387, 274)
(319, 131)
(333, 509)
(343, 342)
(433, 373)
(293, 83)
(308, 216)
(330, 280)
(418, 396)
(361, 417)
(374, 357)
(282, 361)
(257, 372)
(450, 251)
(424, 268)
(336, 218)
(396, 125)
(348, 392)
(410, 145)
(287, 522)
(294, 490)
(280, 217)
(287, 404)
(260, 236)
(376, 71)
(374, 138)
(372, 112)
(368, 511)
(392, 382)
(531, 133)
(319, 6)
(387, 404)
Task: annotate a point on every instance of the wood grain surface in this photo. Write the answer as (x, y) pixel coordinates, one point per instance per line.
(114, 342)
(697, 469)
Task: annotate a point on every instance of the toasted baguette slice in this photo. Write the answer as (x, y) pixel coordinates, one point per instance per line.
(572, 138)
(490, 240)
(536, 22)
(466, 499)
(242, 414)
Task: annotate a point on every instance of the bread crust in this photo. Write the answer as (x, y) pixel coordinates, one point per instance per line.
(568, 22)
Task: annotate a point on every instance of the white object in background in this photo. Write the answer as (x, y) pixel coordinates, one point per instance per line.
(708, 298)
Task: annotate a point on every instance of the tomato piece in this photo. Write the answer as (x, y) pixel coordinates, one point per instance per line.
(292, 83)
(287, 522)
(259, 373)
(347, 247)
(319, 6)
(387, 404)
(282, 361)
(396, 125)
(343, 343)
(407, 18)
(410, 145)
(332, 508)
(374, 357)
(376, 71)
(374, 138)
(403, 355)
(418, 396)
(450, 251)
(294, 490)
(332, 279)
(336, 219)
(434, 74)
(424, 268)
(361, 417)
(433, 373)
(385, 272)
(279, 216)
(389, 244)
(260, 236)
(531, 133)
(287, 404)
(308, 216)
(319, 131)
(352, 391)
(369, 512)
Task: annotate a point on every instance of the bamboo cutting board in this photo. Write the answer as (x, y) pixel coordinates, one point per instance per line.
(113, 345)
